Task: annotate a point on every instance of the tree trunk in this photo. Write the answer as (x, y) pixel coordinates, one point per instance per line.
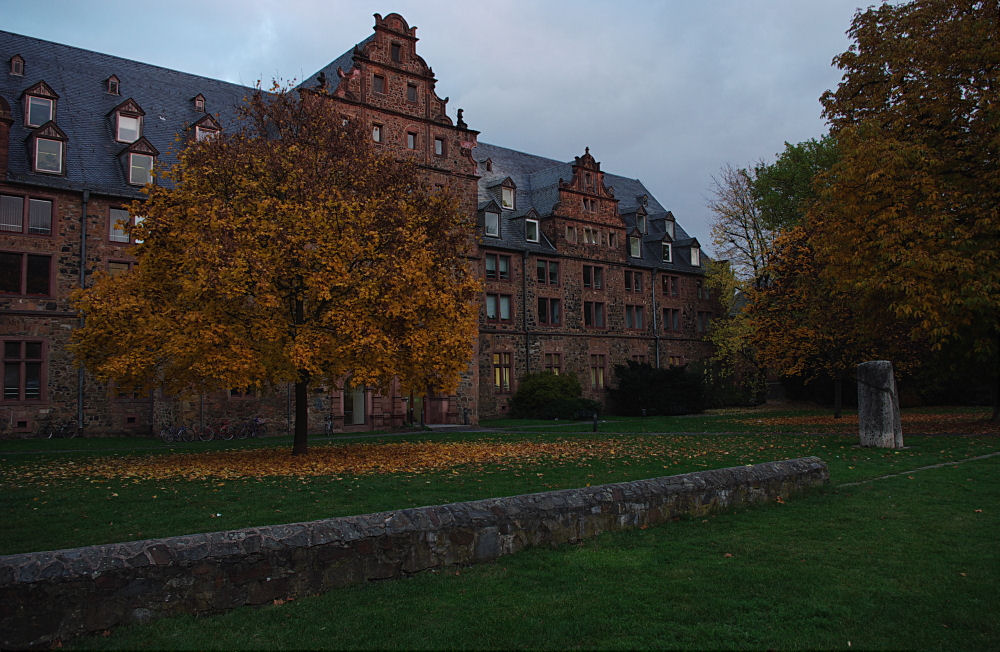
(878, 406)
(838, 395)
(300, 443)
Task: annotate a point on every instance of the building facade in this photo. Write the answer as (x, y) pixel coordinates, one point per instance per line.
(581, 269)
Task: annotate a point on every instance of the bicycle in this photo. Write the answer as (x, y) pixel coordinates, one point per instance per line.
(251, 428)
(48, 429)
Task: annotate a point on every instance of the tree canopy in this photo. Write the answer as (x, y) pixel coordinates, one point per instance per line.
(784, 189)
(287, 250)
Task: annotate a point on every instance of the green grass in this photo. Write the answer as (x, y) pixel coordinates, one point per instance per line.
(901, 563)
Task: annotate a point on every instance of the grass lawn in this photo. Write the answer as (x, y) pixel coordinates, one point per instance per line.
(880, 564)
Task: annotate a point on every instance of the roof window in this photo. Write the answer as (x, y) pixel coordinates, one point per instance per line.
(48, 149)
(113, 85)
(199, 102)
(128, 121)
(17, 65)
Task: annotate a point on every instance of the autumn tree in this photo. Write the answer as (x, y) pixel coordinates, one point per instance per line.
(909, 213)
(287, 250)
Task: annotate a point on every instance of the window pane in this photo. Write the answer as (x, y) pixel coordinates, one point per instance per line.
(439, 146)
(142, 168)
(11, 213)
(40, 216)
(32, 380)
(38, 275)
(598, 277)
(491, 306)
(553, 273)
(554, 309)
(491, 266)
(507, 197)
(543, 311)
(411, 92)
(411, 141)
(633, 246)
(599, 314)
(39, 111)
(493, 224)
(137, 221)
(10, 273)
(504, 307)
(119, 218)
(48, 155)
(12, 381)
(504, 266)
(12, 350)
(540, 271)
(531, 231)
(128, 128)
(32, 350)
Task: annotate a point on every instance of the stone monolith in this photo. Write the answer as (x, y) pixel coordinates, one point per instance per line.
(878, 406)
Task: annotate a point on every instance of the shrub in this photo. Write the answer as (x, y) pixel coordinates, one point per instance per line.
(549, 396)
(658, 391)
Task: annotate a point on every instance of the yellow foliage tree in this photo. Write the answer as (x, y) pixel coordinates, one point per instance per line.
(287, 250)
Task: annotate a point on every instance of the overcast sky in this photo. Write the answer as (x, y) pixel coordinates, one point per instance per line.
(665, 91)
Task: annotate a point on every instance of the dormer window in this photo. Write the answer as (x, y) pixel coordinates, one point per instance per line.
(17, 65)
(489, 165)
(139, 160)
(199, 102)
(203, 133)
(492, 224)
(40, 110)
(696, 256)
(128, 121)
(206, 127)
(48, 149)
(507, 198)
(112, 85)
(634, 246)
(129, 128)
(668, 253)
(531, 230)
(640, 222)
(140, 169)
(669, 225)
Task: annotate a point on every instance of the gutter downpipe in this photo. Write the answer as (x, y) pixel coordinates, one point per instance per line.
(524, 311)
(80, 379)
(656, 325)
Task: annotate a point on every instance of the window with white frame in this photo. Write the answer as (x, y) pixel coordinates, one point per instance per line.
(634, 246)
(531, 230)
(129, 128)
(118, 223)
(39, 110)
(696, 256)
(507, 198)
(640, 222)
(669, 225)
(377, 133)
(205, 133)
(668, 254)
(48, 155)
(140, 169)
(439, 146)
(411, 140)
(492, 224)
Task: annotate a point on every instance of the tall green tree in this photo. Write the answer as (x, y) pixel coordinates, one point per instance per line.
(287, 250)
(784, 189)
(909, 212)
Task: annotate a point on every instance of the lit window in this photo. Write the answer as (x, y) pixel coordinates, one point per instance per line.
(597, 372)
(507, 198)
(492, 224)
(25, 274)
(553, 363)
(633, 246)
(377, 133)
(140, 169)
(40, 110)
(531, 230)
(668, 254)
(129, 128)
(378, 84)
(411, 92)
(22, 370)
(501, 371)
(48, 156)
(439, 147)
(12, 212)
(411, 141)
(696, 256)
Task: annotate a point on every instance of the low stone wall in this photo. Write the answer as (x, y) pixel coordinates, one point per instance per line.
(46, 596)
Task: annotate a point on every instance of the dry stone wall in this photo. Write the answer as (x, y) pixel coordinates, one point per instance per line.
(50, 596)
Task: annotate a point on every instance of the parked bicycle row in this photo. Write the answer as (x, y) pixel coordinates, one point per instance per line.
(226, 430)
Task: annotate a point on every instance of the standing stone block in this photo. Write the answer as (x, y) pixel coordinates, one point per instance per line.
(878, 406)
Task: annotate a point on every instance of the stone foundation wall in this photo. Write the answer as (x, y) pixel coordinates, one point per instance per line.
(48, 596)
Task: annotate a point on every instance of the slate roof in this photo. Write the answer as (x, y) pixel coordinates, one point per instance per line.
(79, 78)
(537, 180)
(344, 62)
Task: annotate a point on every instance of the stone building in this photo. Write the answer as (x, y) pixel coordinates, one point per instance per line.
(582, 269)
